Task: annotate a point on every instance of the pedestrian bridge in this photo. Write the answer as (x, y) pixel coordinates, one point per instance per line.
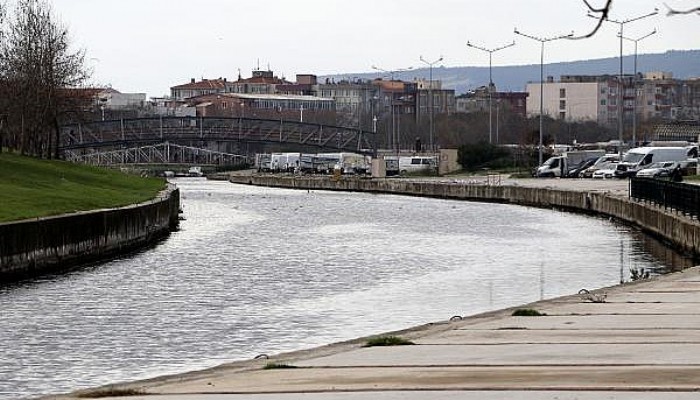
(197, 139)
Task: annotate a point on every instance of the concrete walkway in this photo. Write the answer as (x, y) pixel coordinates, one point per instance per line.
(618, 187)
(636, 341)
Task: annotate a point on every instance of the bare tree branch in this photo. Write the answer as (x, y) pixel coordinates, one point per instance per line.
(601, 14)
(37, 65)
(672, 11)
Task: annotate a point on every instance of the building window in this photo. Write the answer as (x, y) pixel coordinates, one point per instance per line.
(562, 115)
(562, 104)
(603, 102)
(562, 93)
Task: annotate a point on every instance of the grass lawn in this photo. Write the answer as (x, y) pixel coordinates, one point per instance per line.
(30, 187)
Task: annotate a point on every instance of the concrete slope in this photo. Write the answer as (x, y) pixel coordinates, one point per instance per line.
(643, 341)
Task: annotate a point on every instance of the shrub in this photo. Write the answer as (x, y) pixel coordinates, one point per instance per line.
(387, 341)
(483, 155)
(110, 392)
(527, 312)
(272, 365)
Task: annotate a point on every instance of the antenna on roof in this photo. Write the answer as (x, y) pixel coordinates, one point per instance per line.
(268, 66)
(239, 74)
(258, 67)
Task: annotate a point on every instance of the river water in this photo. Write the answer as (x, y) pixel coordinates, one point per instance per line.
(260, 270)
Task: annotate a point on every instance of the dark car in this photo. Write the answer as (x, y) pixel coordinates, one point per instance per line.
(577, 170)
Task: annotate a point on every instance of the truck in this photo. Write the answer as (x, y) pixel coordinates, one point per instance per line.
(561, 165)
(348, 163)
(263, 162)
(641, 157)
(284, 162)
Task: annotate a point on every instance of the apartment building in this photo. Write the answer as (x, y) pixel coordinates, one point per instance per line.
(478, 101)
(651, 96)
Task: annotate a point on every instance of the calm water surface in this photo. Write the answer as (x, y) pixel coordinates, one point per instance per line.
(258, 270)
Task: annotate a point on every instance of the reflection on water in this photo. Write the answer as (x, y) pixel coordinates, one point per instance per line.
(259, 270)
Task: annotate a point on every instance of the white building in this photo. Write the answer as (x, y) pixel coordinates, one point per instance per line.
(578, 98)
(113, 100)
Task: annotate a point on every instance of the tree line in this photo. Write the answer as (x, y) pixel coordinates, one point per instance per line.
(39, 77)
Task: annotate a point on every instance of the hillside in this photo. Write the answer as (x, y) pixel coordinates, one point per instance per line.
(31, 188)
(683, 65)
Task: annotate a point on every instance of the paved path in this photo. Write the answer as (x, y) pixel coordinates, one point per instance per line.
(642, 342)
(612, 186)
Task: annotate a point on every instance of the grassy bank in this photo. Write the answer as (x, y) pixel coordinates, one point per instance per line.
(32, 188)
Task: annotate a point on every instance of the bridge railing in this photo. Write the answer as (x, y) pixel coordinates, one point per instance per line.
(143, 130)
(682, 197)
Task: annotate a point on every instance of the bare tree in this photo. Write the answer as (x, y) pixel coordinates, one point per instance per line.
(672, 11)
(599, 13)
(602, 13)
(39, 65)
(3, 69)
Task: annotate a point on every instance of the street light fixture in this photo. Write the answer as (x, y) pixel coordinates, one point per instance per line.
(394, 132)
(490, 51)
(430, 94)
(542, 42)
(621, 89)
(634, 111)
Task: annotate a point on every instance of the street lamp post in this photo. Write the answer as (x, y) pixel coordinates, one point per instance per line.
(634, 111)
(621, 89)
(430, 94)
(394, 132)
(542, 42)
(490, 51)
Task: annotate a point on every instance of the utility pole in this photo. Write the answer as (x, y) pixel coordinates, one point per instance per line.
(542, 42)
(490, 51)
(430, 102)
(634, 111)
(394, 131)
(621, 83)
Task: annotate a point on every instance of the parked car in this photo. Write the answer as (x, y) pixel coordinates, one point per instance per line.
(642, 157)
(607, 173)
(689, 167)
(604, 162)
(578, 170)
(661, 169)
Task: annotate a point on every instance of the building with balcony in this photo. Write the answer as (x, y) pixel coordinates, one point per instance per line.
(651, 96)
(478, 101)
(302, 108)
(261, 82)
(443, 100)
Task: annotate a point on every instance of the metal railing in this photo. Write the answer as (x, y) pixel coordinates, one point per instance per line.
(682, 197)
(190, 130)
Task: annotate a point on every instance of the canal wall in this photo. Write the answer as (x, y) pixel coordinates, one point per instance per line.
(680, 232)
(37, 246)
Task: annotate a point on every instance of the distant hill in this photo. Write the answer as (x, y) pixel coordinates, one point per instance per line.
(683, 64)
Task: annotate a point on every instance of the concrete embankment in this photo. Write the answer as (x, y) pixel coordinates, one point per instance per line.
(42, 245)
(639, 340)
(679, 231)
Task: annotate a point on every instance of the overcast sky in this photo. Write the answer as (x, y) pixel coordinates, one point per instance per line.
(151, 45)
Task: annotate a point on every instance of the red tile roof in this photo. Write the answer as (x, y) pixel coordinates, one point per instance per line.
(203, 84)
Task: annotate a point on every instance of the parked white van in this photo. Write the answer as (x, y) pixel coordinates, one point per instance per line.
(640, 157)
(416, 164)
